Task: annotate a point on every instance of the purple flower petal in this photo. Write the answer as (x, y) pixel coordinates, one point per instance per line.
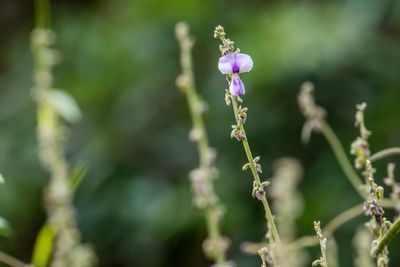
(235, 63)
(244, 62)
(225, 64)
(236, 87)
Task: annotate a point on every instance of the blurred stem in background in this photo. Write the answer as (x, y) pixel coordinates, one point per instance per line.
(340, 154)
(202, 178)
(52, 106)
(287, 206)
(315, 121)
(11, 261)
(373, 195)
(361, 243)
(385, 153)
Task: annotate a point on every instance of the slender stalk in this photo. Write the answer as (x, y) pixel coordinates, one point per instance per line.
(213, 228)
(43, 14)
(212, 210)
(387, 237)
(342, 158)
(385, 153)
(342, 218)
(50, 134)
(330, 228)
(239, 133)
(335, 223)
(315, 121)
(304, 241)
(268, 213)
(11, 261)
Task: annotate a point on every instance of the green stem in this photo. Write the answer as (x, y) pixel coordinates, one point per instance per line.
(50, 135)
(330, 228)
(250, 159)
(43, 14)
(342, 158)
(389, 235)
(342, 218)
(212, 220)
(198, 123)
(212, 211)
(385, 153)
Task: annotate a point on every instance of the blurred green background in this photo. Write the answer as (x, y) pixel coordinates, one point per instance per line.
(120, 61)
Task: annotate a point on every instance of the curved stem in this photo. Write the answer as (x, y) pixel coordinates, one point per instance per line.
(250, 159)
(11, 261)
(389, 235)
(304, 241)
(342, 218)
(385, 153)
(335, 223)
(330, 228)
(342, 158)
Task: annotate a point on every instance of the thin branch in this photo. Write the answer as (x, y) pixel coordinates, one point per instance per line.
(385, 153)
(258, 183)
(11, 261)
(342, 158)
(335, 223)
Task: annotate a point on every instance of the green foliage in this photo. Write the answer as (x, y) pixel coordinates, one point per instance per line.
(65, 105)
(79, 172)
(43, 246)
(5, 229)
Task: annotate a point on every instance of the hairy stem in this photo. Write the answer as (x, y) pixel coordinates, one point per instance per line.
(268, 213)
(388, 236)
(342, 158)
(385, 153)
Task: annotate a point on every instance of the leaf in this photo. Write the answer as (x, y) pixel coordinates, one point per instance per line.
(5, 229)
(65, 105)
(78, 174)
(43, 246)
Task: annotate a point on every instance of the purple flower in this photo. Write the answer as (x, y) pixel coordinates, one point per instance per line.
(233, 64)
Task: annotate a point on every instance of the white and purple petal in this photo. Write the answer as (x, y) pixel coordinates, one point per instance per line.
(235, 63)
(225, 63)
(236, 87)
(244, 62)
